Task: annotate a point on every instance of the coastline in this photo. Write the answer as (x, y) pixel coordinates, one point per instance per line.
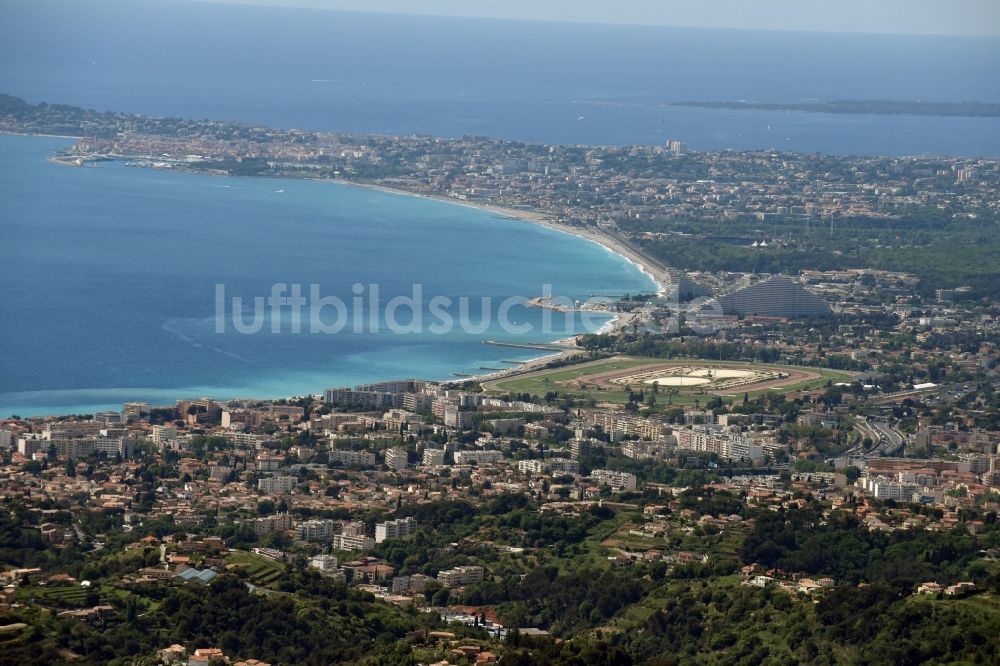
(612, 245)
(609, 243)
(540, 218)
(39, 134)
(569, 349)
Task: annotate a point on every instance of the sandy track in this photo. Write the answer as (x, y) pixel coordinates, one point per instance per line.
(605, 380)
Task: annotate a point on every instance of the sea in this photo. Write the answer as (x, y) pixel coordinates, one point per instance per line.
(111, 279)
(109, 276)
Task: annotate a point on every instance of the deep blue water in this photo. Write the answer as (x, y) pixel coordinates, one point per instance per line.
(107, 275)
(107, 282)
(542, 82)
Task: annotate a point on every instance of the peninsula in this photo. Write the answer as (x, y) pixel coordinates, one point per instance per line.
(808, 473)
(760, 211)
(867, 107)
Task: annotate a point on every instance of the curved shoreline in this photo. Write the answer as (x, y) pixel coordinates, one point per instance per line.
(609, 244)
(534, 217)
(617, 321)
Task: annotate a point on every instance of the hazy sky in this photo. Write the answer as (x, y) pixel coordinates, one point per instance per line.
(947, 17)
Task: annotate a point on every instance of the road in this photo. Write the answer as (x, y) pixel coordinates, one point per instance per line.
(888, 440)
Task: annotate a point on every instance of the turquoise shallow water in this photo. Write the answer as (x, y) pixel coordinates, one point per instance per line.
(108, 283)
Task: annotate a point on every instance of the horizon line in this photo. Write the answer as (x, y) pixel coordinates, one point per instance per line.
(265, 4)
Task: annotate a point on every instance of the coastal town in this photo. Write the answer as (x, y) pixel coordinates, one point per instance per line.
(651, 203)
(817, 446)
(452, 503)
(576, 184)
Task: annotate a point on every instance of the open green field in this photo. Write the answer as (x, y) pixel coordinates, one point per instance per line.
(260, 570)
(543, 381)
(560, 379)
(58, 596)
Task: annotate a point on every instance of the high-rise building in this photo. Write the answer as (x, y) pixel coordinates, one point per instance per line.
(396, 458)
(395, 386)
(163, 434)
(352, 537)
(776, 296)
(400, 528)
(433, 457)
(317, 530)
(345, 397)
(264, 525)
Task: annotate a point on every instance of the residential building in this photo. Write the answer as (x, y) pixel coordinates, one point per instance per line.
(274, 485)
(345, 397)
(352, 458)
(317, 530)
(163, 434)
(352, 537)
(409, 584)
(400, 528)
(396, 459)
(554, 466)
(279, 522)
(776, 296)
(618, 481)
(457, 418)
(324, 563)
(477, 457)
(460, 576)
(434, 457)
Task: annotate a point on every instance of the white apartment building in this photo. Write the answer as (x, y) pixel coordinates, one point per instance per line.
(353, 458)
(29, 444)
(400, 528)
(456, 418)
(264, 525)
(613, 423)
(277, 484)
(409, 584)
(163, 434)
(396, 459)
(268, 463)
(550, 466)
(324, 563)
(317, 530)
(459, 576)
(349, 542)
(352, 537)
(882, 487)
(477, 457)
(618, 481)
(725, 442)
(433, 457)
(531, 467)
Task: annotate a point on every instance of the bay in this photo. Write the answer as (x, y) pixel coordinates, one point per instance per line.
(108, 282)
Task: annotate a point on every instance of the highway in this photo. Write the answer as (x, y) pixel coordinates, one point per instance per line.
(888, 440)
